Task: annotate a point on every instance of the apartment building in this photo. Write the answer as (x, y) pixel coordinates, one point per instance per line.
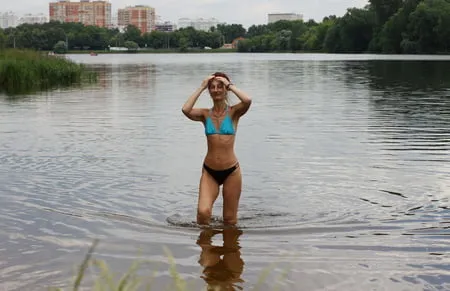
(204, 24)
(141, 16)
(165, 26)
(8, 19)
(33, 18)
(96, 12)
(274, 17)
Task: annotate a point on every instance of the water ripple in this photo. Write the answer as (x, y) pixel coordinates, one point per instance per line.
(344, 161)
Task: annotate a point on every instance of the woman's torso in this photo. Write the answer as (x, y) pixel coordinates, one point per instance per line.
(220, 134)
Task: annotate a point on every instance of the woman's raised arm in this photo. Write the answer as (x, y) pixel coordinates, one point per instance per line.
(188, 107)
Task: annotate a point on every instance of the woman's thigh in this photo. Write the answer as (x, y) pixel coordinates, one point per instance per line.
(208, 192)
(231, 194)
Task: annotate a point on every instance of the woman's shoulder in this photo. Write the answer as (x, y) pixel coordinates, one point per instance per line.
(233, 108)
(204, 111)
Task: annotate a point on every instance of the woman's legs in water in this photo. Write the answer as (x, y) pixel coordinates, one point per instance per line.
(231, 194)
(208, 192)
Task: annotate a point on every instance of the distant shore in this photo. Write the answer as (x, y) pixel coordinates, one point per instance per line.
(189, 51)
(153, 51)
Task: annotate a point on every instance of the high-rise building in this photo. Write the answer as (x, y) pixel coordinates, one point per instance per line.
(274, 17)
(141, 16)
(165, 26)
(8, 19)
(204, 24)
(33, 18)
(97, 12)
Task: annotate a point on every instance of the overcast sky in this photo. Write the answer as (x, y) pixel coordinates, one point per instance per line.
(245, 12)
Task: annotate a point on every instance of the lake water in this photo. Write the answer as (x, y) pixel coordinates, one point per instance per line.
(345, 161)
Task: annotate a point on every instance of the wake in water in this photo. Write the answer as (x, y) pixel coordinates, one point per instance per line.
(249, 221)
(178, 220)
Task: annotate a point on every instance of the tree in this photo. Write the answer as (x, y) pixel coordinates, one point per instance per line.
(231, 31)
(284, 39)
(132, 33)
(393, 31)
(356, 30)
(131, 45)
(60, 47)
(384, 9)
(428, 28)
(2, 39)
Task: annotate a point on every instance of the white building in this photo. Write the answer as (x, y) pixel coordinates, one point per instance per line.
(165, 26)
(274, 17)
(8, 19)
(33, 18)
(198, 23)
(115, 20)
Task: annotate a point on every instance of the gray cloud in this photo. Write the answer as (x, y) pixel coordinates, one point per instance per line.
(246, 12)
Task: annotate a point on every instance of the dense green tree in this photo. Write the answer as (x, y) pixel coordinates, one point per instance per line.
(386, 26)
(231, 31)
(384, 9)
(391, 36)
(2, 39)
(60, 47)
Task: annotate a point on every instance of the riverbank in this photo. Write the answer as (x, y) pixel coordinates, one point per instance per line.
(27, 71)
(153, 51)
(189, 51)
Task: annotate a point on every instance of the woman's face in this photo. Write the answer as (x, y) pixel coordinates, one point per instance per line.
(217, 90)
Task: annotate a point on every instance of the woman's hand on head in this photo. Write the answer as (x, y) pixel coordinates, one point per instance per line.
(223, 80)
(206, 81)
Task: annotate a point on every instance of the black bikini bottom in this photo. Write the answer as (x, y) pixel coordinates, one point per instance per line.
(220, 175)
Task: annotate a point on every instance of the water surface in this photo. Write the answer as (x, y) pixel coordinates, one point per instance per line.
(344, 160)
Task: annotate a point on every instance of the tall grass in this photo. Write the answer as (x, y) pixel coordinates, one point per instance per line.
(26, 71)
(106, 280)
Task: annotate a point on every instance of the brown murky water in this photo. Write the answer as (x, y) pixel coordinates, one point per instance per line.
(345, 162)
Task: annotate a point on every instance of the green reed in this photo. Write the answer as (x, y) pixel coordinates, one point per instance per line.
(106, 280)
(26, 71)
(129, 281)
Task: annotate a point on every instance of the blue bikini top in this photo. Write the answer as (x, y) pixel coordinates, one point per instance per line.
(226, 127)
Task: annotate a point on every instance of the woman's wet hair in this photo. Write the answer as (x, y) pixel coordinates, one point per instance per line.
(218, 74)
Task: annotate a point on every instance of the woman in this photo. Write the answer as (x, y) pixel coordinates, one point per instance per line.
(220, 166)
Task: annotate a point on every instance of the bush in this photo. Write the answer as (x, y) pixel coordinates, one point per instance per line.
(25, 71)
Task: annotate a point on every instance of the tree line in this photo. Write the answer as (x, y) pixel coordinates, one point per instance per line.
(382, 26)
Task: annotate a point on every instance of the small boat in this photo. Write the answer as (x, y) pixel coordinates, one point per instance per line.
(93, 54)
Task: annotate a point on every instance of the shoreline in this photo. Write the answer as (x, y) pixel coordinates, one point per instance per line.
(229, 51)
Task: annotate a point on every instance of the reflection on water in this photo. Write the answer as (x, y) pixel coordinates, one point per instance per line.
(222, 262)
(344, 160)
(408, 77)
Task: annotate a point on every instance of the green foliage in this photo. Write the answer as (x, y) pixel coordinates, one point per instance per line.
(314, 38)
(356, 30)
(428, 26)
(231, 31)
(384, 9)
(3, 40)
(60, 47)
(106, 280)
(383, 26)
(26, 71)
(131, 45)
